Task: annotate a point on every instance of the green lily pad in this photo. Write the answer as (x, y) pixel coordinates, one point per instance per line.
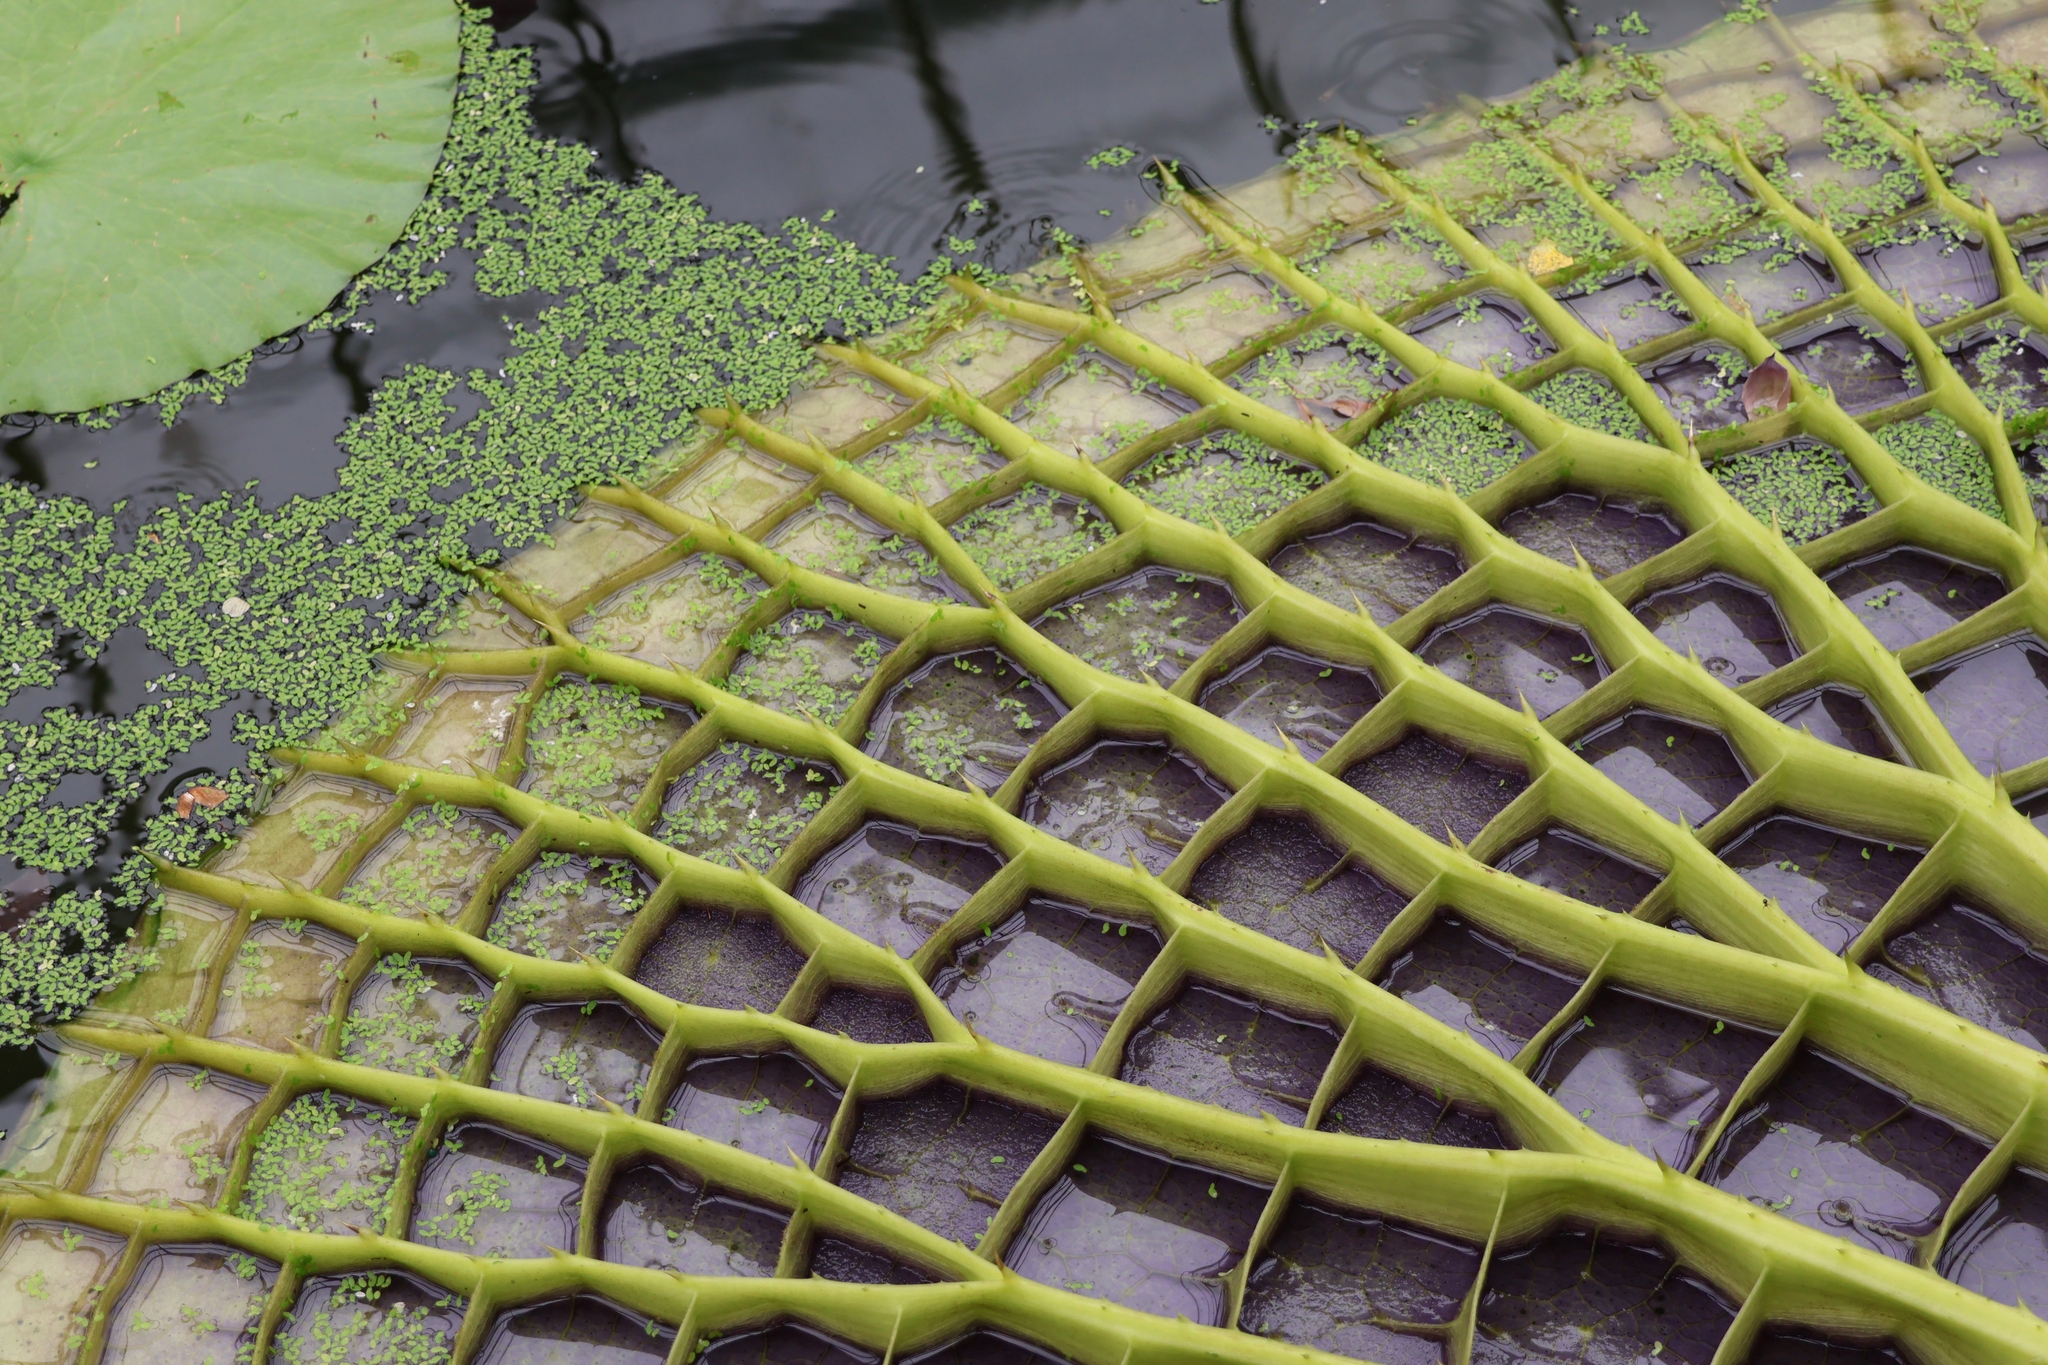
(183, 179)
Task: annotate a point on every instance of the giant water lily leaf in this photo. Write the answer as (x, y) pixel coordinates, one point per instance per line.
(186, 178)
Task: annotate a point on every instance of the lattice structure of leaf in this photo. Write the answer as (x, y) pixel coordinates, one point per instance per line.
(1331, 778)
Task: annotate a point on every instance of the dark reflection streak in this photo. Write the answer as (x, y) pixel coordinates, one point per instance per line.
(1561, 10)
(596, 111)
(771, 55)
(965, 170)
(1261, 86)
(345, 356)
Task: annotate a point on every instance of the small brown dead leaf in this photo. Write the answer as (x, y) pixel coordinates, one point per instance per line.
(1544, 257)
(194, 797)
(1348, 408)
(1768, 390)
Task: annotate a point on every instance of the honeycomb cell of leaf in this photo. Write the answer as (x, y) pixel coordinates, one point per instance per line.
(1859, 365)
(1125, 799)
(326, 1163)
(771, 1105)
(1807, 486)
(1391, 267)
(598, 540)
(943, 1157)
(1489, 990)
(680, 615)
(1942, 453)
(1156, 621)
(431, 864)
(985, 354)
(788, 1344)
(895, 885)
(580, 1329)
(1841, 717)
(1906, 595)
(1379, 1104)
(1609, 534)
(1284, 879)
(1578, 1297)
(739, 484)
(987, 1348)
(1225, 479)
(279, 988)
(665, 1219)
(964, 718)
(1140, 1230)
(1943, 275)
(1829, 1149)
(1632, 310)
(1831, 882)
(577, 1054)
(2006, 370)
(1335, 1280)
(373, 1316)
(2001, 1249)
(1733, 628)
(1330, 375)
(1675, 769)
(565, 904)
(836, 406)
(831, 538)
(192, 936)
(1794, 1346)
(1587, 400)
(1435, 787)
(1774, 279)
(481, 621)
(1568, 863)
(1702, 389)
(49, 1118)
(1236, 1053)
(1971, 964)
(190, 1305)
(867, 1017)
(808, 662)
(1850, 186)
(1386, 572)
(460, 727)
(1512, 656)
(1280, 691)
(1049, 980)
(486, 1192)
(744, 804)
(52, 1277)
(721, 960)
(176, 1138)
(1211, 319)
(1994, 701)
(593, 746)
(1089, 407)
(413, 1015)
(2010, 175)
(1029, 534)
(1493, 332)
(326, 814)
(835, 1258)
(935, 460)
(1448, 440)
(1649, 1075)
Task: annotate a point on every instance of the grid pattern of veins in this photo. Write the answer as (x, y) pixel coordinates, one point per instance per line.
(1233, 784)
